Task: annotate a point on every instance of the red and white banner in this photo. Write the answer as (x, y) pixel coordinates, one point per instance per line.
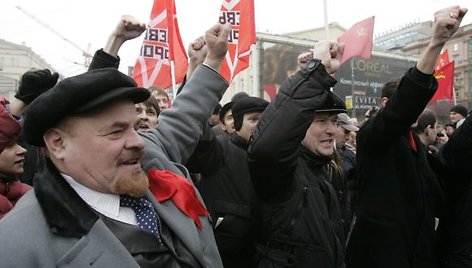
(240, 14)
(162, 44)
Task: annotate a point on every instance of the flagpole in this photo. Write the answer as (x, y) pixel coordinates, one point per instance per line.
(353, 99)
(172, 74)
(325, 5)
(454, 96)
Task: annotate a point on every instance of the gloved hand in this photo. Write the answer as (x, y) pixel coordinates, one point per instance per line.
(34, 83)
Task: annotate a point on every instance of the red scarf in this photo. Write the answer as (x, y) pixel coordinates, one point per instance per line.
(166, 185)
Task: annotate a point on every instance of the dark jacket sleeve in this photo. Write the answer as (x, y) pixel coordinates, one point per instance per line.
(276, 140)
(414, 91)
(102, 59)
(457, 152)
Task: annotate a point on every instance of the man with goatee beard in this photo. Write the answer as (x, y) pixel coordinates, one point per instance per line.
(93, 205)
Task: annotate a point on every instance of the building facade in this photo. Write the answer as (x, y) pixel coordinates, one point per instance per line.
(15, 60)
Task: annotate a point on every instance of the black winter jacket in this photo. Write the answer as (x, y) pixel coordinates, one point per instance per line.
(395, 223)
(301, 220)
(455, 228)
(227, 190)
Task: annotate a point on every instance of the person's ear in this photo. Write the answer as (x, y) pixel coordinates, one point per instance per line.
(54, 138)
(383, 101)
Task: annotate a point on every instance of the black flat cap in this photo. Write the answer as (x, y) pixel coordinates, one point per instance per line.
(333, 103)
(247, 105)
(76, 95)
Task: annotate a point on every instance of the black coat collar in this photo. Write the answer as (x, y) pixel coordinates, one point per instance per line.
(313, 159)
(66, 213)
(239, 141)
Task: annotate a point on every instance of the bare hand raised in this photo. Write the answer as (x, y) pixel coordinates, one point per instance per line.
(197, 51)
(129, 28)
(446, 23)
(330, 54)
(216, 39)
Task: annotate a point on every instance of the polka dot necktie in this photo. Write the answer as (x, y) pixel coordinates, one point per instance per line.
(145, 214)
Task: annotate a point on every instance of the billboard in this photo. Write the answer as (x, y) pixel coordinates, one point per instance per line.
(360, 81)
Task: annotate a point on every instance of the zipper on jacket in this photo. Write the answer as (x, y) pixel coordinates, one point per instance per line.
(305, 197)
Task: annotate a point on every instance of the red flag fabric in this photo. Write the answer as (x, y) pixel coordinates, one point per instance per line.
(240, 14)
(445, 78)
(162, 44)
(442, 60)
(358, 40)
(166, 185)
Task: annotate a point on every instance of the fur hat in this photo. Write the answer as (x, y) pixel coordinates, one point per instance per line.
(247, 105)
(76, 95)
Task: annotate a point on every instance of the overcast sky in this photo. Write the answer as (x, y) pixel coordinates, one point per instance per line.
(86, 22)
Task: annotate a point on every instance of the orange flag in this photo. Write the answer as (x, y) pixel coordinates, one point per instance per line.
(358, 40)
(445, 78)
(240, 14)
(162, 44)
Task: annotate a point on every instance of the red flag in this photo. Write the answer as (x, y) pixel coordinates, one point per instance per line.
(358, 40)
(442, 60)
(445, 78)
(240, 14)
(162, 44)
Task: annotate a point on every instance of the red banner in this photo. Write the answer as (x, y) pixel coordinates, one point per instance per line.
(442, 60)
(445, 78)
(162, 44)
(240, 14)
(358, 40)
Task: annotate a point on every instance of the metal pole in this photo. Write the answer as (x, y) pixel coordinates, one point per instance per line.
(353, 113)
(260, 66)
(255, 71)
(325, 5)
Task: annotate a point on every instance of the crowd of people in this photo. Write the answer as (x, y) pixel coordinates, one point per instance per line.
(120, 176)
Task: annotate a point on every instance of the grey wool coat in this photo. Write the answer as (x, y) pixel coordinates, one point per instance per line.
(29, 236)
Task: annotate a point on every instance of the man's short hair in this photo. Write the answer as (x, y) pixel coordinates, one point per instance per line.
(426, 118)
(77, 95)
(152, 102)
(390, 88)
(224, 110)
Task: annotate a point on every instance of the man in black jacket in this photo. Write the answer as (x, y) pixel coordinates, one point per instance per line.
(395, 224)
(289, 163)
(455, 228)
(226, 185)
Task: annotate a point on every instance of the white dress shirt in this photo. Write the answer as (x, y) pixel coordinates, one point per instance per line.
(105, 204)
